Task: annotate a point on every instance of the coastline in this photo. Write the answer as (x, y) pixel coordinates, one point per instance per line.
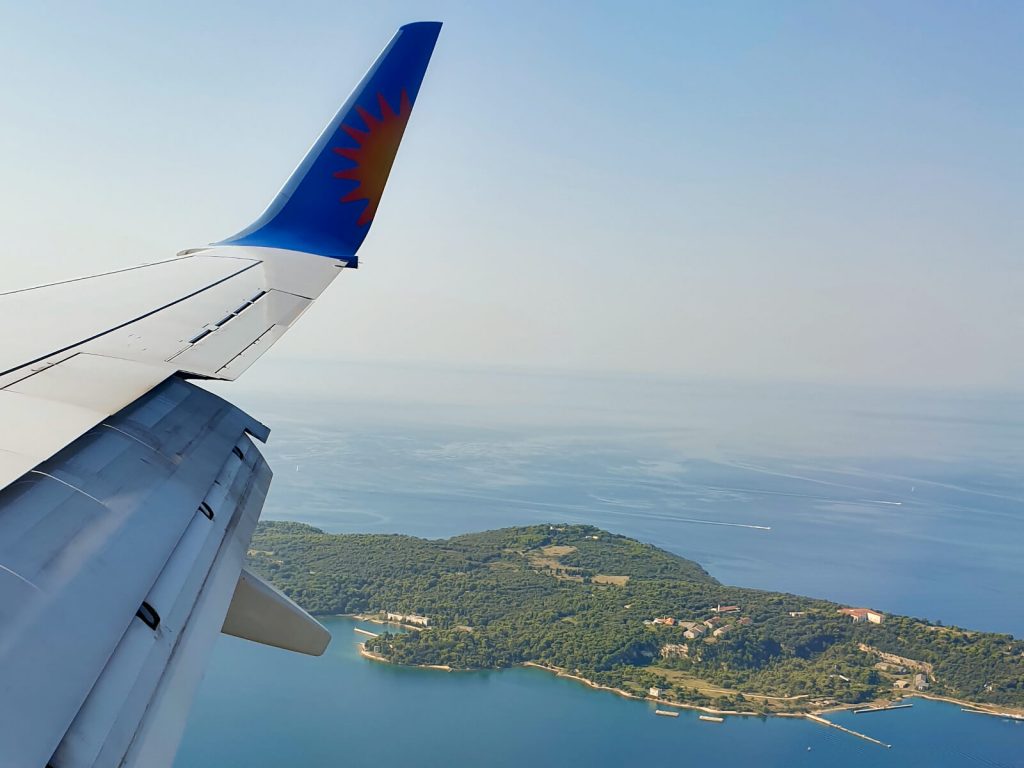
(815, 715)
(558, 672)
(988, 709)
(380, 659)
(367, 654)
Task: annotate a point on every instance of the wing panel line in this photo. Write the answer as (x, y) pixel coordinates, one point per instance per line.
(133, 320)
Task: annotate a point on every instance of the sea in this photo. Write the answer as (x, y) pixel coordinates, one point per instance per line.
(908, 502)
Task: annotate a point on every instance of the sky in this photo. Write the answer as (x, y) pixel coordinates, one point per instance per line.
(791, 191)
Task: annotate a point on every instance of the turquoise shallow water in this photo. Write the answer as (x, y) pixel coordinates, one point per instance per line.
(261, 708)
(911, 504)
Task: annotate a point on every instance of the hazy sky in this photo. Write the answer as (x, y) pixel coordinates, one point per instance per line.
(790, 190)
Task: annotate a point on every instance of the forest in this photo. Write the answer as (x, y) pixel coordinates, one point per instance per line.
(628, 615)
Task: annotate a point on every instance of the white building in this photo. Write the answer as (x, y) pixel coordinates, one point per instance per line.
(863, 614)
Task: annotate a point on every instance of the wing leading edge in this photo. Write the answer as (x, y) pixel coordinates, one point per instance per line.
(128, 495)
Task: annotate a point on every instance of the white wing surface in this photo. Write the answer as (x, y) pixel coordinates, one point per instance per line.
(96, 344)
(128, 495)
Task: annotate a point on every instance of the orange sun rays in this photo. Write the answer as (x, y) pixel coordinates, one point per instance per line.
(375, 154)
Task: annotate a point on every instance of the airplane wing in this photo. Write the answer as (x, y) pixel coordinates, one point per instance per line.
(128, 495)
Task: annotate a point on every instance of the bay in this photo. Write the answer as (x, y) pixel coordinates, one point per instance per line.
(261, 708)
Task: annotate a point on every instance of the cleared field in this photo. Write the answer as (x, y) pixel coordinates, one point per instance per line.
(618, 581)
(677, 677)
(556, 550)
(547, 559)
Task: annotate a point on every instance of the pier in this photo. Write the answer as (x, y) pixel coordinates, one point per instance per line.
(366, 632)
(666, 713)
(830, 724)
(712, 719)
(881, 709)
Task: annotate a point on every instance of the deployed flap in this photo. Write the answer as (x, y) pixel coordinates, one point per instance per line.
(260, 613)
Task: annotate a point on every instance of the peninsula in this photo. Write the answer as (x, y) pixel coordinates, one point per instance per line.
(627, 616)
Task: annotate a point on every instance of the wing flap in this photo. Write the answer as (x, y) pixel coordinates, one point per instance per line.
(260, 613)
(111, 719)
(157, 735)
(91, 530)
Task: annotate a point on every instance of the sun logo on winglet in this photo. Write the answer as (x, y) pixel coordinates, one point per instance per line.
(375, 154)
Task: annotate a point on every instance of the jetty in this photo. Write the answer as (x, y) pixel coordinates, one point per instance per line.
(830, 724)
(712, 719)
(863, 710)
(366, 632)
(666, 713)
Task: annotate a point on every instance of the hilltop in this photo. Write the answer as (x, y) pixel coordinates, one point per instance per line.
(627, 615)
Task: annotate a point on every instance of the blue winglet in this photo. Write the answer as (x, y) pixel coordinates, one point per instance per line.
(327, 205)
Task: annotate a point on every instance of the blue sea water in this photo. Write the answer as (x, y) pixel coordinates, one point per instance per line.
(261, 708)
(904, 502)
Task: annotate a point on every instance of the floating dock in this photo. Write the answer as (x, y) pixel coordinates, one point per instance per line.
(366, 632)
(830, 724)
(881, 709)
(712, 719)
(666, 713)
